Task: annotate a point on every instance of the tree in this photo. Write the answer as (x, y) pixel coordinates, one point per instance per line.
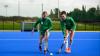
(91, 14)
(56, 10)
(84, 14)
(51, 13)
(98, 13)
(76, 14)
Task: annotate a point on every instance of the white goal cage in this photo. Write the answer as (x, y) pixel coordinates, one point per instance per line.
(28, 26)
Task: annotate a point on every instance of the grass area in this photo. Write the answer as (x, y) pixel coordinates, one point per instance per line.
(79, 26)
(56, 26)
(10, 26)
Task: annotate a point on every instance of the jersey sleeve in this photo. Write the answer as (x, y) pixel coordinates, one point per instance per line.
(62, 27)
(73, 23)
(50, 24)
(37, 22)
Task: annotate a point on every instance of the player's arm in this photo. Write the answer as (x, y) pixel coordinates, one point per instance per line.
(35, 25)
(62, 27)
(50, 25)
(73, 23)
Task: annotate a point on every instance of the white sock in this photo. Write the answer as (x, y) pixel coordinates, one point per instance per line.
(66, 44)
(45, 45)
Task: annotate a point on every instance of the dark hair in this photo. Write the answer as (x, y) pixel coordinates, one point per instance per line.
(63, 12)
(44, 12)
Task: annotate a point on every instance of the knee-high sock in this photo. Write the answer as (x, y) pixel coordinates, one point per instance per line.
(66, 43)
(45, 44)
(40, 44)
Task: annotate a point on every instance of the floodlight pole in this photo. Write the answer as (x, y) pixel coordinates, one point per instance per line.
(6, 6)
(18, 7)
(42, 5)
(58, 9)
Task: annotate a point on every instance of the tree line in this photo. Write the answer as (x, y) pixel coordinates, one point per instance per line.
(91, 15)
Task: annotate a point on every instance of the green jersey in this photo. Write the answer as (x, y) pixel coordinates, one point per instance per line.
(68, 24)
(44, 24)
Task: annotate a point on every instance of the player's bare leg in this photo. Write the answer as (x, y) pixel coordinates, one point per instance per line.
(71, 36)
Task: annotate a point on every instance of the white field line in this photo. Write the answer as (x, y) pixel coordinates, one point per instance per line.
(38, 39)
(50, 31)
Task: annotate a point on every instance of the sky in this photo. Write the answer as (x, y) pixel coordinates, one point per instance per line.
(31, 8)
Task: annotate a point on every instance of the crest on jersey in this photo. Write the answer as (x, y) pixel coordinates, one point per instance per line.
(41, 22)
